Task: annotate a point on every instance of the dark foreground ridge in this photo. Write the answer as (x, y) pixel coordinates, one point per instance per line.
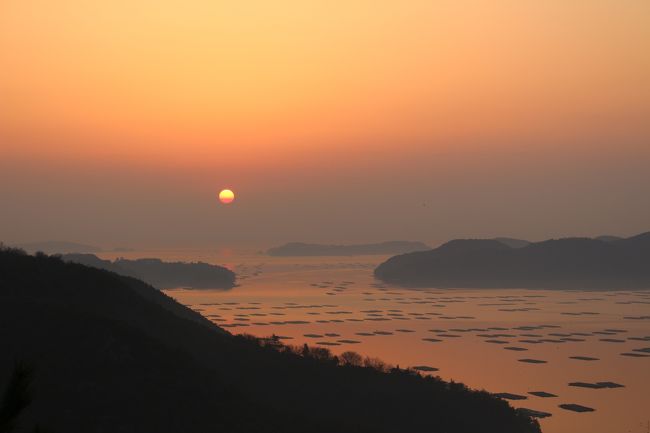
(391, 247)
(163, 275)
(109, 353)
(571, 263)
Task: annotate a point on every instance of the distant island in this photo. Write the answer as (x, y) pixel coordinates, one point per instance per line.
(163, 275)
(513, 243)
(58, 247)
(390, 247)
(570, 263)
(88, 350)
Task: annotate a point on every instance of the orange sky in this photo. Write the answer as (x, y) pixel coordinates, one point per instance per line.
(285, 90)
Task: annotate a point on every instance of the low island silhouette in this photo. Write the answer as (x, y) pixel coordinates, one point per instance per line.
(606, 263)
(58, 247)
(163, 275)
(88, 350)
(382, 248)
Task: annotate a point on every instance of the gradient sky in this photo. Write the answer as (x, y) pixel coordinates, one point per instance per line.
(351, 121)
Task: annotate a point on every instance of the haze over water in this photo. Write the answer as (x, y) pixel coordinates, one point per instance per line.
(341, 293)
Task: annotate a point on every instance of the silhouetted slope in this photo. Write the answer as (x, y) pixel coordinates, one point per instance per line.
(113, 354)
(163, 274)
(99, 375)
(563, 263)
(302, 249)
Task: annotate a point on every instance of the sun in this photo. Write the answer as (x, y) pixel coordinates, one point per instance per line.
(226, 196)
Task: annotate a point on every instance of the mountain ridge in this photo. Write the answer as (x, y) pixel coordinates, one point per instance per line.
(572, 263)
(109, 354)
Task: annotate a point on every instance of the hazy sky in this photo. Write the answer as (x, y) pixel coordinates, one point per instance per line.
(333, 121)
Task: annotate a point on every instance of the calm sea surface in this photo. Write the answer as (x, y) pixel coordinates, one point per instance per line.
(477, 337)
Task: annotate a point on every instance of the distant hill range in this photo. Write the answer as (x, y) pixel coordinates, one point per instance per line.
(390, 247)
(571, 263)
(109, 353)
(58, 247)
(163, 275)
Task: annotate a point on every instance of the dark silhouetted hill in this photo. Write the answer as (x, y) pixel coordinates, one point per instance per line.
(391, 247)
(112, 354)
(161, 274)
(571, 263)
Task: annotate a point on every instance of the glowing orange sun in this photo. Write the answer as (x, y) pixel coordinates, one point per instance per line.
(226, 196)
